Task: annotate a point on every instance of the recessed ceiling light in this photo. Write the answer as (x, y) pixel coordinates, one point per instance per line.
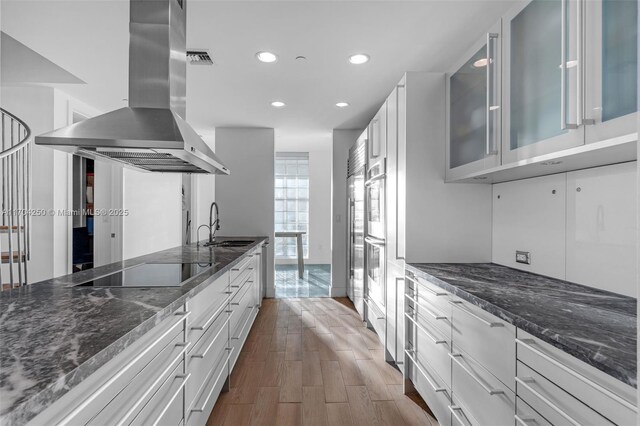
(359, 58)
(342, 104)
(278, 104)
(481, 63)
(267, 57)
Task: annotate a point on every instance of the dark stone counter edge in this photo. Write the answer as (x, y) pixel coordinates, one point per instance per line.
(49, 395)
(580, 352)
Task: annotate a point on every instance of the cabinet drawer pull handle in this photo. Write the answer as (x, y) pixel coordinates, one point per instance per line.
(525, 421)
(528, 344)
(554, 407)
(437, 317)
(206, 400)
(475, 377)
(228, 292)
(235, 286)
(482, 320)
(210, 345)
(413, 279)
(212, 317)
(432, 383)
(424, 330)
(69, 417)
(244, 326)
(235, 304)
(454, 412)
(185, 378)
(159, 378)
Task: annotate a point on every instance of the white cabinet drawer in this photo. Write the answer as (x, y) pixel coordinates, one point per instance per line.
(606, 395)
(554, 404)
(489, 340)
(377, 317)
(460, 415)
(239, 336)
(145, 386)
(486, 398)
(213, 383)
(439, 318)
(429, 345)
(202, 357)
(238, 307)
(166, 406)
(430, 386)
(527, 416)
(206, 306)
(435, 296)
(241, 268)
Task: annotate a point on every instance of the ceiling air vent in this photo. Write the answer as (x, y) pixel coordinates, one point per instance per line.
(199, 57)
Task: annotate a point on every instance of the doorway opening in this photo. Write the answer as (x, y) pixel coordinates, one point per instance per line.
(301, 268)
(83, 213)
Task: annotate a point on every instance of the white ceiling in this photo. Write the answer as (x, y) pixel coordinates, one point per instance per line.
(89, 38)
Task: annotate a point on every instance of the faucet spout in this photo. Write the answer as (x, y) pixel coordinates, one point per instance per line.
(214, 225)
(198, 234)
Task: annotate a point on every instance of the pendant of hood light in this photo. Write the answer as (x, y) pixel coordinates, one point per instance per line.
(278, 104)
(267, 57)
(342, 104)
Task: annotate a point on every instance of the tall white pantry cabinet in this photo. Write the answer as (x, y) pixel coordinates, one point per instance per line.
(427, 220)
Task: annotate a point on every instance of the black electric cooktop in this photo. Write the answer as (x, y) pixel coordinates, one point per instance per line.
(150, 275)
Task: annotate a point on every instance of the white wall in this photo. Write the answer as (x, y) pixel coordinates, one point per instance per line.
(43, 109)
(583, 233)
(342, 141)
(245, 196)
(319, 149)
(154, 203)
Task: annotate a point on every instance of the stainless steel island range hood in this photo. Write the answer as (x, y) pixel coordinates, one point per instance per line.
(151, 133)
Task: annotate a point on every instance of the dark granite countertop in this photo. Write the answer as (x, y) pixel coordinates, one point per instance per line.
(595, 326)
(53, 335)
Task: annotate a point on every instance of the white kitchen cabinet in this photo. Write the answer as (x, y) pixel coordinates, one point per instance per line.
(174, 373)
(569, 385)
(566, 74)
(498, 374)
(124, 385)
(426, 219)
(553, 403)
(425, 379)
(474, 112)
(611, 69)
(541, 96)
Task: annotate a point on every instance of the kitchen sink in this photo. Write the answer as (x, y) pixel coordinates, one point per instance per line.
(231, 243)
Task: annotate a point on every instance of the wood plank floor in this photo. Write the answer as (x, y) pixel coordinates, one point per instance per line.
(313, 362)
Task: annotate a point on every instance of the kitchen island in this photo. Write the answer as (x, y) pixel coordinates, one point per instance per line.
(54, 335)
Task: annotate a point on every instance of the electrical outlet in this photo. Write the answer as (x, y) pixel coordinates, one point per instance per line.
(523, 257)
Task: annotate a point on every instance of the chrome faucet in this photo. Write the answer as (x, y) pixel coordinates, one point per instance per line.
(213, 226)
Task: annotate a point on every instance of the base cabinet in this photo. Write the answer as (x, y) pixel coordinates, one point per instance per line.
(496, 374)
(173, 374)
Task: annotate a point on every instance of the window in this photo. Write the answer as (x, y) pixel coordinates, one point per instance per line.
(292, 201)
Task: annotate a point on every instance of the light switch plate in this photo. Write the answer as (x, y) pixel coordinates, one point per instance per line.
(523, 257)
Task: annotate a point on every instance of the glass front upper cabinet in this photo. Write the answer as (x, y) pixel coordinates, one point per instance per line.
(611, 102)
(474, 112)
(543, 83)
